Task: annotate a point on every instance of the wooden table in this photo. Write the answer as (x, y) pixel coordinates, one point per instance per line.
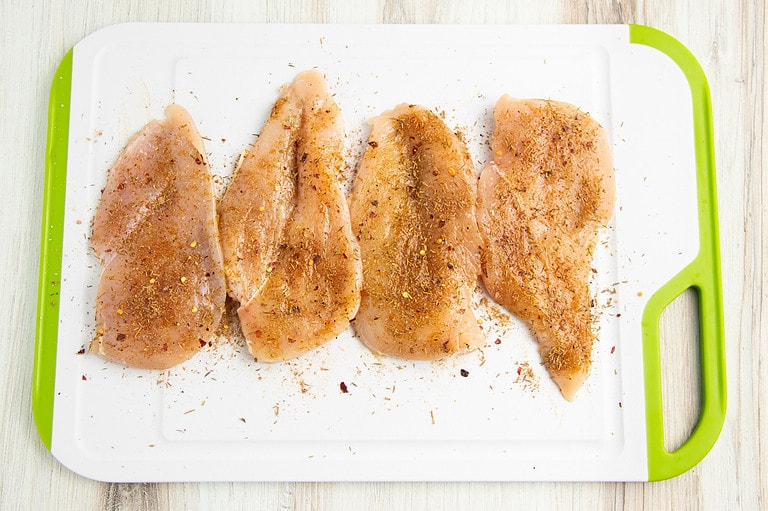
(729, 40)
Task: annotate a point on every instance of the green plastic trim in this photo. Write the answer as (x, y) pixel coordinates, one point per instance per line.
(49, 284)
(702, 275)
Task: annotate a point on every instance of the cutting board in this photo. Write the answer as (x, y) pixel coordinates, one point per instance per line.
(341, 413)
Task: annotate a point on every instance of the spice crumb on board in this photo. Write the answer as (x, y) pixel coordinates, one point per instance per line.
(526, 377)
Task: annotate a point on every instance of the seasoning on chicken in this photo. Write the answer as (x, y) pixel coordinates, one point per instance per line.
(161, 293)
(413, 211)
(289, 254)
(541, 204)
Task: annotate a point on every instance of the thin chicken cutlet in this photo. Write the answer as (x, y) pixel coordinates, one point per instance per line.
(290, 257)
(161, 292)
(541, 203)
(413, 211)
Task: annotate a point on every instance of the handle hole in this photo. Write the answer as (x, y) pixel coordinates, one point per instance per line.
(680, 368)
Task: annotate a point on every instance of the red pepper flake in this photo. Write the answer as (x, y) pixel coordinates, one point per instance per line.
(202, 343)
(613, 349)
(84, 378)
(257, 334)
(497, 341)
(464, 373)
(343, 387)
(373, 144)
(81, 351)
(519, 370)
(242, 419)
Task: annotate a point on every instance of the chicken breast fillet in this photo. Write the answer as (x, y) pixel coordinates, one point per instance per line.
(162, 290)
(290, 257)
(541, 203)
(413, 211)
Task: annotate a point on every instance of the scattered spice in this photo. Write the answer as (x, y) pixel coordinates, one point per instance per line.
(343, 387)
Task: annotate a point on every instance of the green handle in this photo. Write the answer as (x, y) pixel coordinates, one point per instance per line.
(703, 275)
(49, 284)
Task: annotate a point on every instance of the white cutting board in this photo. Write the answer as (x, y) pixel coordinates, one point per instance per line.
(222, 416)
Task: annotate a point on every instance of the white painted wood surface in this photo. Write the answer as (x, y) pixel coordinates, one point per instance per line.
(729, 40)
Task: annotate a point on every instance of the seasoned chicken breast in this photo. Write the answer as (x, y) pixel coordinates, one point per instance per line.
(162, 290)
(541, 203)
(290, 257)
(413, 212)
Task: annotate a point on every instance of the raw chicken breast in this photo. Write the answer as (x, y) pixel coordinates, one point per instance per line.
(541, 203)
(289, 254)
(162, 290)
(413, 211)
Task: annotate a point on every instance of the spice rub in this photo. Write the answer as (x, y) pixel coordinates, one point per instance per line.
(290, 257)
(161, 292)
(541, 203)
(413, 212)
